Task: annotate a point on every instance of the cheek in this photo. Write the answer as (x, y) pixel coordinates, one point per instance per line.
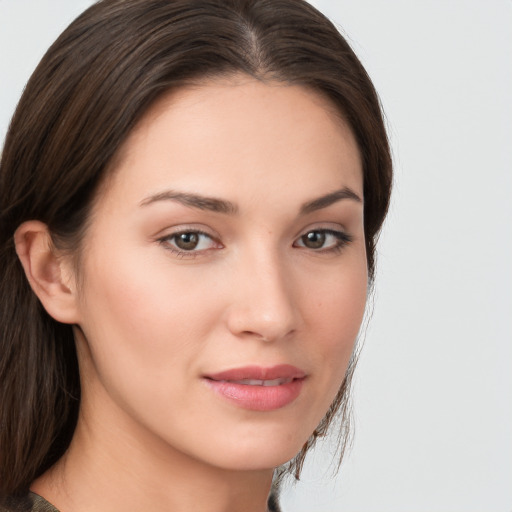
(335, 313)
(145, 327)
(147, 322)
(338, 297)
(144, 309)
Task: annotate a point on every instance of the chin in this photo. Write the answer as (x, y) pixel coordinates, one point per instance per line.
(255, 460)
(261, 449)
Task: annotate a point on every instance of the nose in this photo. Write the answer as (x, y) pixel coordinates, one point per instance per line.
(264, 304)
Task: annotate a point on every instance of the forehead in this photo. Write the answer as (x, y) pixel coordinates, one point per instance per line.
(243, 132)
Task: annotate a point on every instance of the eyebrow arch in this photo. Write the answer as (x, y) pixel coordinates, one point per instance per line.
(328, 199)
(211, 204)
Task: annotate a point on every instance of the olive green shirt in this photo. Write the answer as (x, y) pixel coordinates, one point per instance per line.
(29, 503)
(34, 503)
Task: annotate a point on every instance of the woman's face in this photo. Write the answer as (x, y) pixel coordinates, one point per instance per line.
(223, 275)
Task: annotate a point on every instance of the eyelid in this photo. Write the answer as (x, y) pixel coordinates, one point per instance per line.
(186, 228)
(322, 226)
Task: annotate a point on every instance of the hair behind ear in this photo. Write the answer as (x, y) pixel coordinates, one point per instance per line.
(39, 381)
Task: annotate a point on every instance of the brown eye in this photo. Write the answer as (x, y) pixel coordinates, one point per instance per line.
(323, 240)
(186, 241)
(314, 239)
(191, 242)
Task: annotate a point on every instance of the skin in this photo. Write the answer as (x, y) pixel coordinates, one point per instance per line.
(151, 322)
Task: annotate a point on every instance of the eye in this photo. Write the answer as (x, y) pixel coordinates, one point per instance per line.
(189, 242)
(323, 240)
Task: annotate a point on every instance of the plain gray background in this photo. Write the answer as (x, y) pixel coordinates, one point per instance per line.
(433, 393)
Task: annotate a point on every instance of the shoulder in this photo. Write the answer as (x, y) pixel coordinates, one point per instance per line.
(28, 503)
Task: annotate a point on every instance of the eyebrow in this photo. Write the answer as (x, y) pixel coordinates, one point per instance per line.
(329, 199)
(216, 205)
(211, 204)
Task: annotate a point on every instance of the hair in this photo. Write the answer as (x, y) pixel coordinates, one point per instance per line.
(85, 97)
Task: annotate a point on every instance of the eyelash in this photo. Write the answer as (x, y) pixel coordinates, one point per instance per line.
(342, 240)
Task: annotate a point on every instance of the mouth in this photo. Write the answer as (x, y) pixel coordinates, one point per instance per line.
(257, 388)
(257, 382)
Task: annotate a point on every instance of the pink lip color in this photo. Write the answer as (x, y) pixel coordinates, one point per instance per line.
(255, 397)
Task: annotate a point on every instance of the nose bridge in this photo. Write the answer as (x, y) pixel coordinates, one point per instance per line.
(264, 303)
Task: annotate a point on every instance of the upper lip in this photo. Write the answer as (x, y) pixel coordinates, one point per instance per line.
(281, 371)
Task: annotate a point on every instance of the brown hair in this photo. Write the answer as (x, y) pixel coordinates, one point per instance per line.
(90, 89)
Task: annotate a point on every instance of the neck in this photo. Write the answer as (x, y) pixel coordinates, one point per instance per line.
(111, 466)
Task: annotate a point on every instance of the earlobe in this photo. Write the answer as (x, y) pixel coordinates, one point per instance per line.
(48, 273)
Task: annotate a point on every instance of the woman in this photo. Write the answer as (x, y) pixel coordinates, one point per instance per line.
(191, 193)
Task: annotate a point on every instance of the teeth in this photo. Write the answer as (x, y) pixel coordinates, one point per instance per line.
(256, 382)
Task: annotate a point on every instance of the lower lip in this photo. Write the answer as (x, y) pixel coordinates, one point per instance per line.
(257, 398)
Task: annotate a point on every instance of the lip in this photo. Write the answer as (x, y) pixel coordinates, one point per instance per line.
(258, 388)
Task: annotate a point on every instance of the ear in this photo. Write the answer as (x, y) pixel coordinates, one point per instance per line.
(50, 275)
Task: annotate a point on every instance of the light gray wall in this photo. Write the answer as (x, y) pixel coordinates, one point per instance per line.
(433, 394)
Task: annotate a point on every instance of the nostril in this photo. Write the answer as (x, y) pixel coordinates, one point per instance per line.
(268, 336)
(256, 335)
